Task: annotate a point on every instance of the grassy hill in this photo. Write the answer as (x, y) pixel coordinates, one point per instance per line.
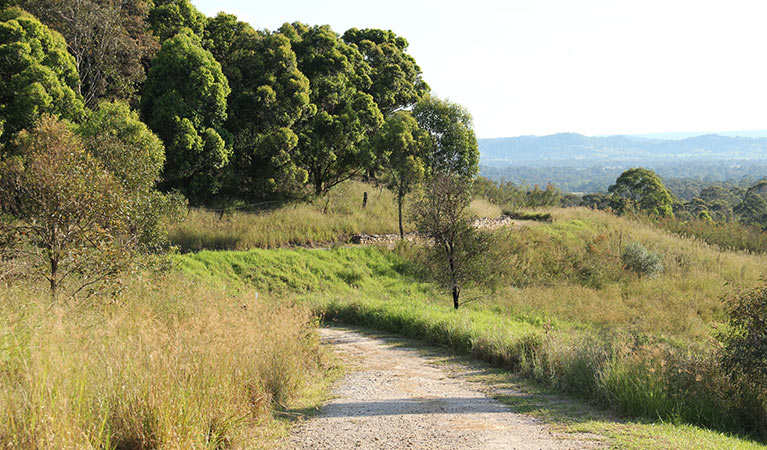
(569, 316)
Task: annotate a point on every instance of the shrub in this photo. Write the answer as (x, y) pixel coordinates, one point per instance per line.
(640, 260)
(522, 215)
(745, 341)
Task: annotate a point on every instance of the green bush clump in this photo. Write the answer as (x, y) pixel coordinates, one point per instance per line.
(640, 260)
(522, 215)
(744, 349)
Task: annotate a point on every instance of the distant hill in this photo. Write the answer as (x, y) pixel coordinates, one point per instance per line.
(576, 150)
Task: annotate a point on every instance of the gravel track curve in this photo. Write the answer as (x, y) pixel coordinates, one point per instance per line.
(396, 398)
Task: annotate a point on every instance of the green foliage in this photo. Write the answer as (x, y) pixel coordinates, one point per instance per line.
(184, 102)
(333, 143)
(744, 353)
(402, 148)
(396, 78)
(752, 210)
(454, 149)
(135, 156)
(170, 17)
(524, 215)
(640, 260)
(642, 190)
(269, 95)
(511, 196)
(37, 74)
(110, 42)
(67, 209)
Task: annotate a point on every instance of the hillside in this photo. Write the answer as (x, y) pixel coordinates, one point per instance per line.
(570, 317)
(576, 150)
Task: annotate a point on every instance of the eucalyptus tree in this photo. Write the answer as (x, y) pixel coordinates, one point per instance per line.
(167, 18)
(37, 74)
(402, 147)
(110, 41)
(640, 189)
(333, 144)
(269, 96)
(184, 102)
(396, 80)
(454, 148)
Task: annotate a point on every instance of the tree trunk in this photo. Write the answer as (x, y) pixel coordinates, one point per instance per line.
(53, 279)
(399, 207)
(456, 292)
(456, 289)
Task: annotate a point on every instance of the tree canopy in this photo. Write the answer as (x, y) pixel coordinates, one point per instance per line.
(333, 143)
(642, 190)
(269, 95)
(454, 147)
(37, 74)
(184, 102)
(396, 79)
(110, 42)
(169, 17)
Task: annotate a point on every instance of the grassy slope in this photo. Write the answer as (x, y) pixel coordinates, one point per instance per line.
(334, 218)
(533, 328)
(173, 365)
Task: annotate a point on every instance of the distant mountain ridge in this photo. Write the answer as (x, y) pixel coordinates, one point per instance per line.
(577, 150)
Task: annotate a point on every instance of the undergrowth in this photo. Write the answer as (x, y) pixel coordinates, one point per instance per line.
(171, 364)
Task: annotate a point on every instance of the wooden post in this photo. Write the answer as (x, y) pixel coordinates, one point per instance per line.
(364, 200)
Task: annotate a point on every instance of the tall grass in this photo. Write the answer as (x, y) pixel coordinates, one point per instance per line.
(172, 365)
(331, 219)
(725, 235)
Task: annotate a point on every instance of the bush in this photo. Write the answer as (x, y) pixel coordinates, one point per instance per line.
(640, 260)
(745, 341)
(522, 215)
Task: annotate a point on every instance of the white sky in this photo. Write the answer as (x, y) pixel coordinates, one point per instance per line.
(589, 66)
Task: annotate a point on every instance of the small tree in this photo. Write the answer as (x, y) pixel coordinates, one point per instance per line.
(460, 253)
(63, 210)
(400, 146)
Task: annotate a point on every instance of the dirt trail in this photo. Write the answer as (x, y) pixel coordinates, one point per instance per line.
(395, 398)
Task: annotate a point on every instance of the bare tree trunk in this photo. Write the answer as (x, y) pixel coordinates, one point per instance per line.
(456, 289)
(53, 279)
(399, 206)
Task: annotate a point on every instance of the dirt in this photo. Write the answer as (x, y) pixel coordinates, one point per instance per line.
(396, 398)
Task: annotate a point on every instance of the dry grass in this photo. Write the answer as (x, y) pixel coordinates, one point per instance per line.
(334, 218)
(174, 365)
(571, 270)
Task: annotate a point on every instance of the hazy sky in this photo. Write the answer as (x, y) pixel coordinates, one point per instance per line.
(588, 66)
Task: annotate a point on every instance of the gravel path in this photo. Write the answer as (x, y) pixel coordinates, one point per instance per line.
(395, 398)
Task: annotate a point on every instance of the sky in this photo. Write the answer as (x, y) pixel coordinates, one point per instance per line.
(596, 67)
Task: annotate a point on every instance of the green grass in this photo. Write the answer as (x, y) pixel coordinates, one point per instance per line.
(639, 345)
